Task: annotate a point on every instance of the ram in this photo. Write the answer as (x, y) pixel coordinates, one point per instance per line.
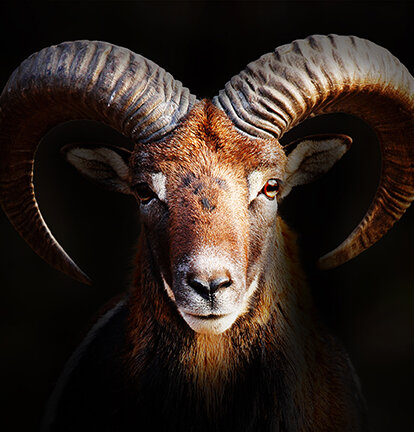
(218, 330)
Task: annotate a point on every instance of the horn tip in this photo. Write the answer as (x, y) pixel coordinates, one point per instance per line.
(74, 272)
(322, 265)
(85, 279)
(329, 261)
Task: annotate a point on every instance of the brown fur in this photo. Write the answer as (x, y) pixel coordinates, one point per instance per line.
(276, 368)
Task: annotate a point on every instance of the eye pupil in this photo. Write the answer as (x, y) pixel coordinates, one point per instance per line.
(144, 192)
(271, 188)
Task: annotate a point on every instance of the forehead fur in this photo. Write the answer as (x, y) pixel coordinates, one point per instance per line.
(207, 136)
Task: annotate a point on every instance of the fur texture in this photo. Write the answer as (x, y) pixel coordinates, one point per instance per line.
(274, 369)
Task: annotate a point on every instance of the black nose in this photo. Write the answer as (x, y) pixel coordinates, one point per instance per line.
(205, 287)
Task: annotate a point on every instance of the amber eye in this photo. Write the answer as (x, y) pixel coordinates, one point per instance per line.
(271, 188)
(144, 193)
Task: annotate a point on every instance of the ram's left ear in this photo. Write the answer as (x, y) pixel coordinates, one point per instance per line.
(312, 157)
(103, 164)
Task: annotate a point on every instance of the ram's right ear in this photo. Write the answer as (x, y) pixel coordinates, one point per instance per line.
(103, 164)
(312, 157)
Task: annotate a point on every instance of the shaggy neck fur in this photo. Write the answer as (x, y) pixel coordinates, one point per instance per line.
(207, 374)
(273, 368)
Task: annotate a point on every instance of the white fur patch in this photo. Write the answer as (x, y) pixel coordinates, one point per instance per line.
(170, 292)
(210, 325)
(252, 287)
(158, 182)
(209, 259)
(255, 183)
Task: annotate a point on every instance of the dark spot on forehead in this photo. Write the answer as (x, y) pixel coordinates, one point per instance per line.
(206, 204)
(188, 179)
(199, 184)
(199, 187)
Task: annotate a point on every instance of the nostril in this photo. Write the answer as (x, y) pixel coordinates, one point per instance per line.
(206, 288)
(201, 287)
(220, 283)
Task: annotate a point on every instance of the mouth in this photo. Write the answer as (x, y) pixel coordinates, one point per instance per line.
(209, 317)
(211, 323)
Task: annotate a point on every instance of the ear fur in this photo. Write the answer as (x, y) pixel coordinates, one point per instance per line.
(103, 164)
(312, 157)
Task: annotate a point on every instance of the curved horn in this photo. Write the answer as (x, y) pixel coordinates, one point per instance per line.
(76, 80)
(325, 74)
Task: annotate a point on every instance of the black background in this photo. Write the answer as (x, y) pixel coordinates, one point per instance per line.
(368, 303)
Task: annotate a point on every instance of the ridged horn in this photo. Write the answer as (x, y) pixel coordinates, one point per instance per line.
(326, 74)
(76, 80)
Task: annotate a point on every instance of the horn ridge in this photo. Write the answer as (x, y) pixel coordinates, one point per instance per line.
(76, 80)
(328, 74)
